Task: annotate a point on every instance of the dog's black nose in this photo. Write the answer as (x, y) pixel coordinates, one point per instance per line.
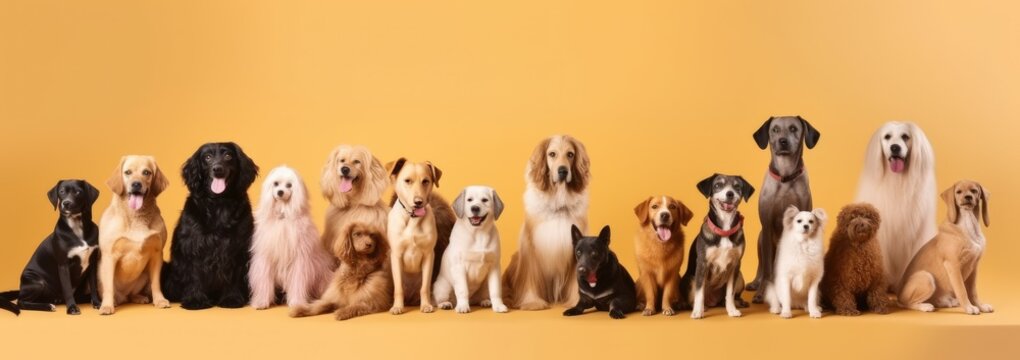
(417, 203)
(476, 209)
(345, 170)
(217, 170)
(968, 197)
(65, 203)
(279, 193)
(664, 217)
(136, 186)
(895, 148)
(806, 227)
(784, 142)
(562, 171)
(730, 194)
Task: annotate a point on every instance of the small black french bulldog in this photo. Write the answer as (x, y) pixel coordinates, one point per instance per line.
(603, 283)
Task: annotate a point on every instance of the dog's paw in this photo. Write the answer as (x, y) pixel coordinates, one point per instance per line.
(298, 311)
(668, 312)
(616, 314)
(463, 308)
(741, 304)
(648, 312)
(345, 314)
(485, 303)
(533, 306)
(139, 299)
(734, 313)
(986, 308)
(573, 312)
(881, 310)
(815, 314)
(397, 310)
(195, 304)
(925, 307)
(96, 303)
(446, 305)
(73, 310)
(500, 308)
(972, 310)
(697, 314)
(848, 312)
(758, 298)
(106, 310)
(752, 286)
(161, 304)
(232, 301)
(427, 308)
(774, 310)
(786, 315)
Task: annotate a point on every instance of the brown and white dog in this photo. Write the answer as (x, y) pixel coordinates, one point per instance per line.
(659, 248)
(542, 270)
(131, 236)
(944, 272)
(353, 180)
(418, 230)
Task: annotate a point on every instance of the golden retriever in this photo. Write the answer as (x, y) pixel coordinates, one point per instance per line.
(353, 180)
(659, 248)
(131, 236)
(361, 285)
(542, 270)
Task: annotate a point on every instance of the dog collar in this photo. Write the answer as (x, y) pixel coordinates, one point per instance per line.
(725, 233)
(774, 173)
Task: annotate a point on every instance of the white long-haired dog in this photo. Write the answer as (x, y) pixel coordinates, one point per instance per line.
(899, 180)
(286, 251)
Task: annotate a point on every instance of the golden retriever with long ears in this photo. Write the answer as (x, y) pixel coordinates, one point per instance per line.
(361, 285)
(542, 270)
(131, 236)
(418, 230)
(659, 248)
(353, 180)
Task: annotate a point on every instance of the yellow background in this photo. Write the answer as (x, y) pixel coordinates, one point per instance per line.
(663, 93)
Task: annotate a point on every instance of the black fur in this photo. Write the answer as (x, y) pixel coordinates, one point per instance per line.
(614, 284)
(50, 277)
(209, 253)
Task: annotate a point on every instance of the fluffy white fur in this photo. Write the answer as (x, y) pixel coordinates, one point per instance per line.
(286, 252)
(799, 264)
(470, 267)
(905, 200)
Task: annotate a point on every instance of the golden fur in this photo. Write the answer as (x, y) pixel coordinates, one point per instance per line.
(363, 203)
(131, 241)
(361, 285)
(658, 259)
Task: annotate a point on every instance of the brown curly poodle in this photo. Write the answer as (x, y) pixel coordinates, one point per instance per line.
(853, 265)
(363, 284)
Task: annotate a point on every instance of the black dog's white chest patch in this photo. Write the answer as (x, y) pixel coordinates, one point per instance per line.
(83, 251)
(598, 296)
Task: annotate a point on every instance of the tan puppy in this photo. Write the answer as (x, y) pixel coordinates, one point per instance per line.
(659, 247)
(353, 180)
(944, 272)
(418, 231)
(132, 235)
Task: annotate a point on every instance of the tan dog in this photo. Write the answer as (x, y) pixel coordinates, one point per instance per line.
(353, 180)
(418, 230)
(132, 235)
(659, 248)
(944, 272)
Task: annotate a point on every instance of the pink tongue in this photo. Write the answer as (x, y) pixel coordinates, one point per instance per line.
(592, 279)
(419, 211)
(664, 233)
(727, 207)
(896, 165)
(346, 185)
(218, 185)
(135, 202)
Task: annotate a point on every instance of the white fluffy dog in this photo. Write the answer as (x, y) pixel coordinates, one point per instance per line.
(799, 264)
(472, 258)
(286, 252)
(899, 180)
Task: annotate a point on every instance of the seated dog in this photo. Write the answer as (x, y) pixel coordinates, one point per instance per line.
(602, 282)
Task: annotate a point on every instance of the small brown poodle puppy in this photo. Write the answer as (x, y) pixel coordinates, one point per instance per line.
(362, 285)
(853, 266)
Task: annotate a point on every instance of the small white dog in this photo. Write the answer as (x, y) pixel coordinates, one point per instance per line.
(799, 264)
(473, 254)
(286, 251)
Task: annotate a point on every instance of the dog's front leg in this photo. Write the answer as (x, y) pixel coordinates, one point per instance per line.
(698, 309)
(971, 284)
(782, 286)
(460, 289)
(155, 276)
(428, 260)
(64, 273)
(583, 303)
(496, 289)
(731, 304)
(93, 278)
(107, 266)
(959, 289)
(812, 299)
(670, 295)
(263, 286)
(398, 281)
(646, 285)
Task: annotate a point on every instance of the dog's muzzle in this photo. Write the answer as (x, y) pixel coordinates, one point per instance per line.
(562, 173)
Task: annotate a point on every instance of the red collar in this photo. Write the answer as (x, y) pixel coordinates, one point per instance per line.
(785, 179)
(725, 233)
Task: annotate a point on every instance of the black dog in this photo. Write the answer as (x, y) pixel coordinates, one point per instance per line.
(603, 283)
(63, 267)
(713, 265)
(210, 249)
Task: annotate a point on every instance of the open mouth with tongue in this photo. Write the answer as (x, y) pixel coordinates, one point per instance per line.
(418, 211)
(218, 185)
(897, 164)
(592, 278)
(727, 206)
(135, 200)
(346, 184)
(477, 220)
(664, 233)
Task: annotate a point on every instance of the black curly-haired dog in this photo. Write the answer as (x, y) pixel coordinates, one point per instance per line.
(209, 253)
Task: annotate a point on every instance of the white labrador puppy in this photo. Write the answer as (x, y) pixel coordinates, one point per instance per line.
(473, 254)
(799, 264)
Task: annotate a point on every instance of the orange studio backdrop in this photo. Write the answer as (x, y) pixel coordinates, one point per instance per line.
(663, 93)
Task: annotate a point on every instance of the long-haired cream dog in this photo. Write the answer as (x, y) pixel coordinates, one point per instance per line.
(899, 180)
(286, 252)
(353, 180)
(542, 271)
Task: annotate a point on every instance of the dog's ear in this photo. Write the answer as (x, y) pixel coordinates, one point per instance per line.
(192, 172)
(604, 235)
(249, 171)
(811, 135)
(762, 135)
(497, 205)
(436, 173)
(382, 246)
(748, 189)
(344, 249)
(92, 192)
(52, 194)
(580, 167)
(330, 180)
(116, 181)
(705, 186)
(393, 168)
(159, 180)
(458, 204)
(538, 169)
(575, 235)
(685, 212)
(789, 214)
(641, 210)
(821, 215)
(376, 176)
(984, 204)
(952, 211)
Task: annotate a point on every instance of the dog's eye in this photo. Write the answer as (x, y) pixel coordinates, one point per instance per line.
(471, 199)
(227, 157)
(357, 162)
(718, 185)
(425, 182)
(552, 154)
(357, 234)
(793, 129)
(888, 136)
(407, 181)
(343, 161)
(570, 154)
(485, 200)
(288, 185)
(656, 206)
(672, 207)
(61, 191)
(800, 221)
(973, 191)
(128, 173)
(146, 172)
(905, 137)
(811, 221)
(775, 129)
(578, 253)
(959, 191)
(276, 183)
(208, 158)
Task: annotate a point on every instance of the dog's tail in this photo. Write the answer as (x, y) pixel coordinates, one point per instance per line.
(7, 301)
